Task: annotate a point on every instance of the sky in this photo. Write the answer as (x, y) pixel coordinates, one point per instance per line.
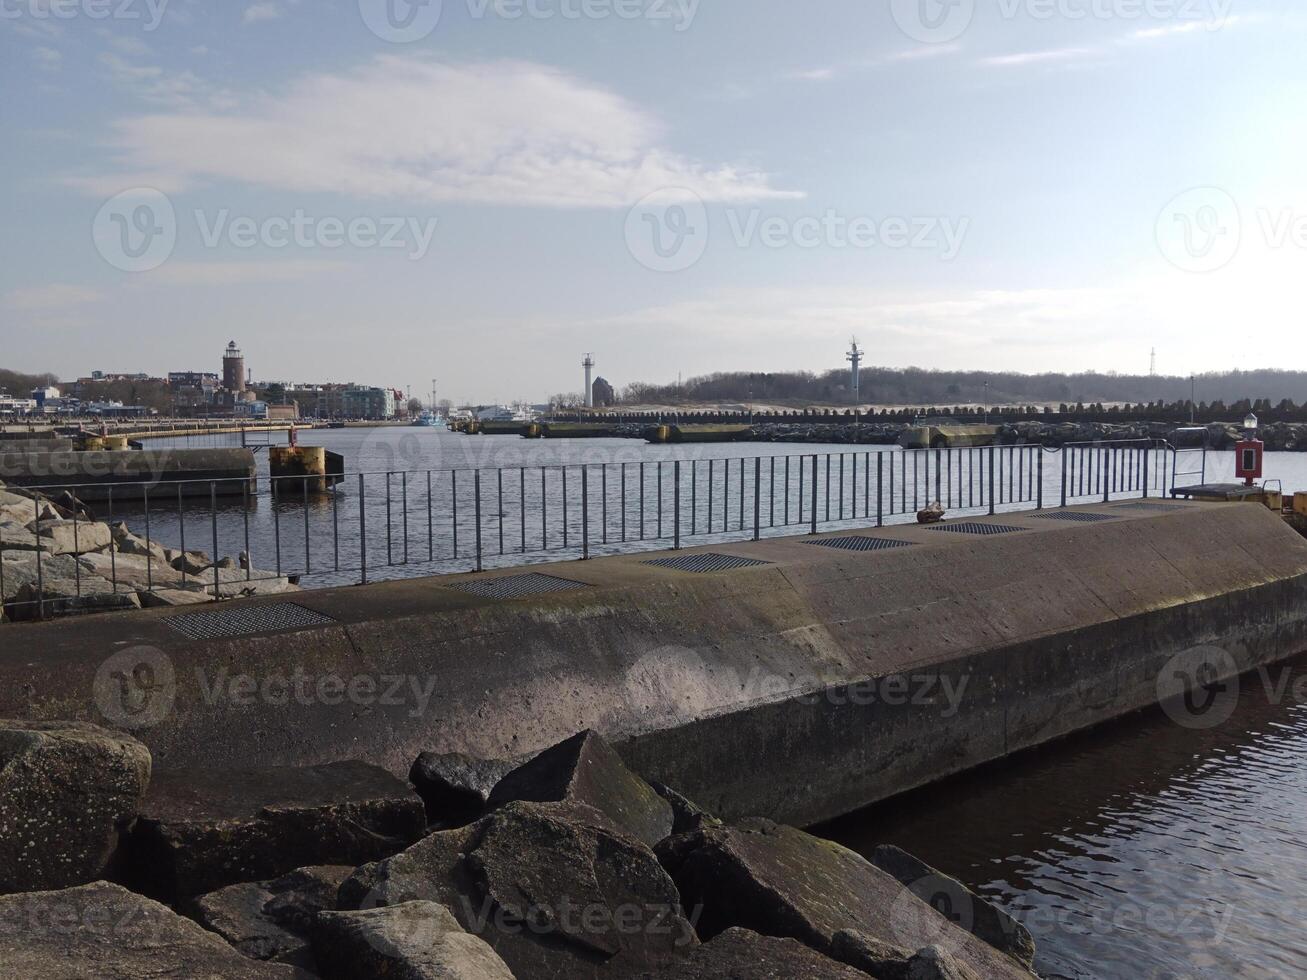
(482, 191)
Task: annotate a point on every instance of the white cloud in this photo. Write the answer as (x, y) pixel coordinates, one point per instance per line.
(408, 128)
(1037, 57)
(1180, 28)
(256, 12)
(52, 296)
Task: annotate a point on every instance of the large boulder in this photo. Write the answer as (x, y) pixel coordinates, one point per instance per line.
(202, 829)
(132, 573)
(83, 595)
(456, 787)
(127, 543)
(67, 791)
(104, 931)
(190, 562)
(19, 570)
(411, 941)
(779, 881)
(882, 960)
(271, 920)
(557, 889)
(983, 920)
(738, 954)
(585, 769)
(14, 536)
(72, 537)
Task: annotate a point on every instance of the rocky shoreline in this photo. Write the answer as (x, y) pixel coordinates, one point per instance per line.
(58, 560)
(567, 865)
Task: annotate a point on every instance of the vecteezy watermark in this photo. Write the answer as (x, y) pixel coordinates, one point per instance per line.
(57, 917)
(944, 21)
(151, 12)
(138, 687)
(137, 231)
(1200, 230)
(669, 231)
(406, 21)
(1200, 687)
(565, 916)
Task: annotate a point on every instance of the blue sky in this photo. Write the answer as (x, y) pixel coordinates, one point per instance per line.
(356, 192)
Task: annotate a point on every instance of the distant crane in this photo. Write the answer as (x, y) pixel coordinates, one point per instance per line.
(854, 357)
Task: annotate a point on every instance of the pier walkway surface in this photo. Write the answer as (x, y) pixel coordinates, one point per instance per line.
(786, 678)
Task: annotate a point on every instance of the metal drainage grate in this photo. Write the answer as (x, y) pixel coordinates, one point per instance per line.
(1076, 517)
(971, 527)
(706, 563)
(860, 543)
(519, 586)
(247, 621)
(1141, 505)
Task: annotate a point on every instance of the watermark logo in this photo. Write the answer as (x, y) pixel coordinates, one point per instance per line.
(401, 21)
(1200, 230)
(933, 21)
(924, 910)
(667, 231)
(136, 231)
(149, 11)
(1199, 687)
(135, 688)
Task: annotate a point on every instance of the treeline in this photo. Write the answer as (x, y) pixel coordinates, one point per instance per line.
(919, 386)
(20, 385)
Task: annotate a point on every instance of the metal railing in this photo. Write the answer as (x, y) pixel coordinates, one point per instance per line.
(377, 526)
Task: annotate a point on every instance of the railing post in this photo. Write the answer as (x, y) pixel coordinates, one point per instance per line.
(477, 490)
(814, 493)
(1039, 478)
(757, 511)
(1148, 451)
(1109, 458)
(213, 515)
(991, 480)
(585, 512)
(676, 506)
(363, 530)
(880, 490)
(1064, 453)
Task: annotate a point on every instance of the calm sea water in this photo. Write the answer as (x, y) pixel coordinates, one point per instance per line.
(1142, 849)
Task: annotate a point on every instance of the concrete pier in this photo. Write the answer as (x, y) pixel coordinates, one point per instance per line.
(807, 684)
(126, 471)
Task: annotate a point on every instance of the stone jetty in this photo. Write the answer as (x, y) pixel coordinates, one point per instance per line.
(569, 865)
(57, 559)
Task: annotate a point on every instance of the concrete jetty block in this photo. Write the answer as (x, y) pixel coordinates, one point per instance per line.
(799, 689)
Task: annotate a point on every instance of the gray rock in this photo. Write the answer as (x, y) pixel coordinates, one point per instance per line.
(236, 913)
(200, 830)
(933, 963)
(738, 954)
(133, 573)
(687, 816)
(20, 569)
(412, 941)
(67, 790)
(72, 537)
(160, 598)
(271, 920)
(106, 932)
(882, 960)
(15, 536)
(456, 787)
(232, 587)
(557, 889)
(127, 543)
(979, 917)
(783, 882)
(190, 562)
(585, 769)
(57, 598)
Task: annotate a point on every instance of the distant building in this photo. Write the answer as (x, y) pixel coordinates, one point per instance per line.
(604, 395)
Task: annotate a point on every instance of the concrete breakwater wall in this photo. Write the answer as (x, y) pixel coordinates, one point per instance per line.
(232, 471)
(810, 683)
